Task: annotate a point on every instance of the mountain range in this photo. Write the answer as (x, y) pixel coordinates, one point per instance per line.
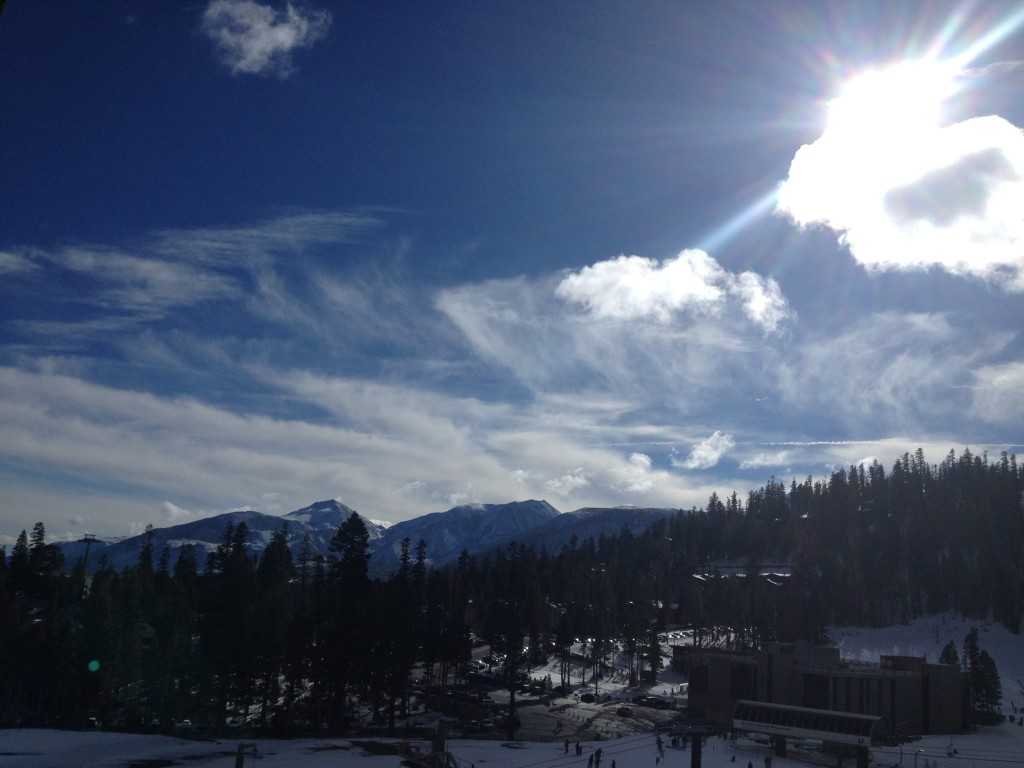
(474, 528)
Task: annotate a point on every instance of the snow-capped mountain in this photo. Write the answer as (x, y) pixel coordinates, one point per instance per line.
(471, 527)
(592, 523)
(318, 521)
(475, 528)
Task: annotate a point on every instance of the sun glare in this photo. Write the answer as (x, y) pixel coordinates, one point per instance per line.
(907, 186)
(898, 99)
(887, 121)
(884, 130)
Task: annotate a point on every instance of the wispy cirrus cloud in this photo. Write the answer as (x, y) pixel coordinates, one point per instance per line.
(996, 392)
(270, 375)
(903, 371)
(288, 233)
(142, 285)
(11, 262)
(158, 276)
(256, 38)
(601, 354)
(759, 459)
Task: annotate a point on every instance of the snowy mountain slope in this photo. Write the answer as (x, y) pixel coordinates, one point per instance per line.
(473, 527)
(319, 521)
(476, 528)
(593, 522)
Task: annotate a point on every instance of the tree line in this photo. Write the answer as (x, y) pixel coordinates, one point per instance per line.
(295, 641)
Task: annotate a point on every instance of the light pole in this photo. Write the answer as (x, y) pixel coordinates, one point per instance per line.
(599, 629)
(87, 539)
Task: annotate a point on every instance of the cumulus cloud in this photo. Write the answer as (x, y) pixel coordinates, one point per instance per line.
(905, 192)
(254, 38)
(636, 476)
(636, 287)
(707, 453)
(571, 481)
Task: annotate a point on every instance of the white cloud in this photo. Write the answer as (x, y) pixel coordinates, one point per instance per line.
(905, 192)
(256, 39)
(630, 287)
(174, 515)
(635, 287)
(495, 383)
(762, 300)
(391, 451)
(143, 285)
(998, 393)
(571, 481)
(636, 476)
(765, 459)
(707, 453)
(900, 372)
(16, 262)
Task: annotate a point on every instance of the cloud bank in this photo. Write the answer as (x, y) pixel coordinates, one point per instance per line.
(212, 369)
(253, 38)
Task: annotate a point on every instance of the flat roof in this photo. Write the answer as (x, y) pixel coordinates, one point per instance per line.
(806, 723)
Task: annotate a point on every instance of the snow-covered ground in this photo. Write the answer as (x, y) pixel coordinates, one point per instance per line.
(994, 746)
(28, 748)
(927, 637)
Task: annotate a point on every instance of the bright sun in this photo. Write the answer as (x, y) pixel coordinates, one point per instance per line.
(883, 131)
(907, 188)
(901, 97)
(887, 120)
(908, 184)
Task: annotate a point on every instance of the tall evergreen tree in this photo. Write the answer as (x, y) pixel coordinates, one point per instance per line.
(346, 624)
(949, 654)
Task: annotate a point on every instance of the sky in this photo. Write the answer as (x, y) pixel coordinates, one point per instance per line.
(255, 254)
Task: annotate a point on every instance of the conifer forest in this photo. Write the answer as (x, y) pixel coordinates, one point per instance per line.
(304, 641)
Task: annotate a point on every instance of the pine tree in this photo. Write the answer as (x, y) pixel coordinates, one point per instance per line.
(988, 690)
(19, 564)
(949, 654)
(345, 617)
(227, 630)
(971, 650)
(146, 554)
(275, 608)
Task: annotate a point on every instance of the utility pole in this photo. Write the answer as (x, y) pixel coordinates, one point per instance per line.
(87, 539)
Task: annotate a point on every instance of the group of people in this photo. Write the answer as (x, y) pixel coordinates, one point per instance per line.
(594, 760)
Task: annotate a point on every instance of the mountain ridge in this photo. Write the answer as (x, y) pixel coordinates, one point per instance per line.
(474, 528)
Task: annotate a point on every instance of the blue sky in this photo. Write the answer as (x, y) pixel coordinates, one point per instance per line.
(409, 255)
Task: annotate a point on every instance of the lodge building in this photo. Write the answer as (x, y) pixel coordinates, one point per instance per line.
(908, 696)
